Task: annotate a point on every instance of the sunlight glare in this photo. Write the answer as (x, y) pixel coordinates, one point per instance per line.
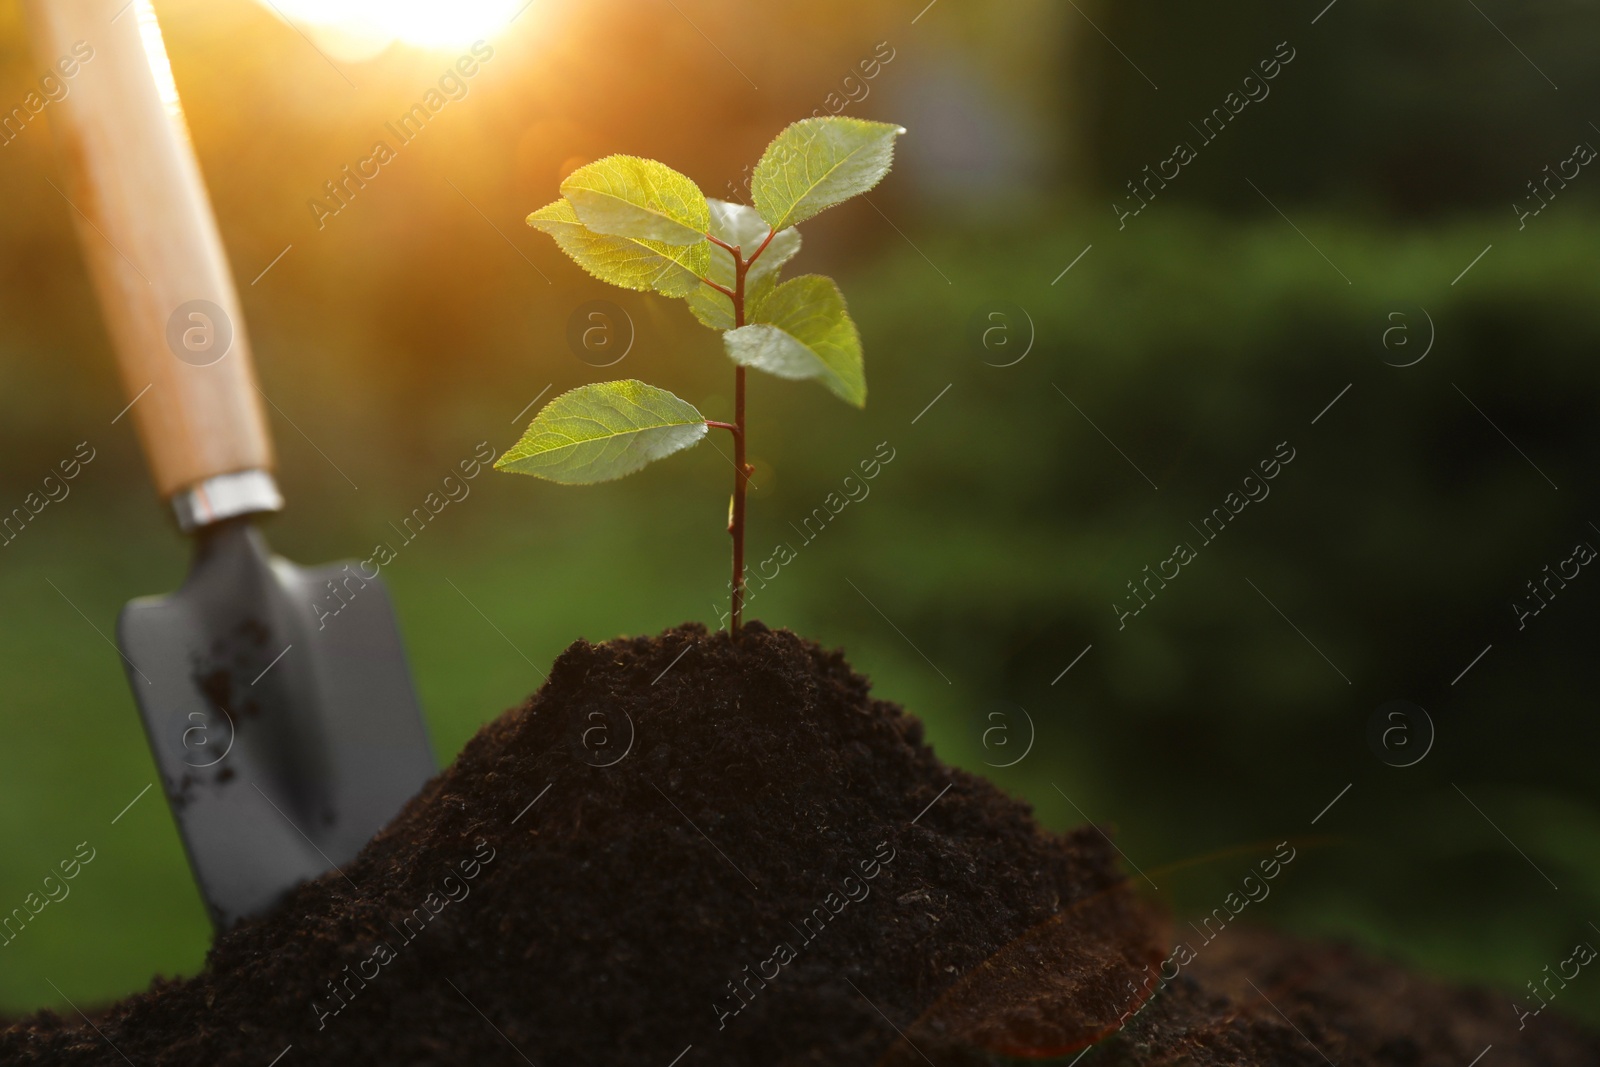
(360, 29)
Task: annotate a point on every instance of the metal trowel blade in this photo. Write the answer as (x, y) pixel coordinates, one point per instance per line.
(286, 734)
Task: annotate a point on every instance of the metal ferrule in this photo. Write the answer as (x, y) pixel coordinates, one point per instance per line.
(226, 496)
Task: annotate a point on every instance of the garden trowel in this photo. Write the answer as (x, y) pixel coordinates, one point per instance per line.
(286, 734)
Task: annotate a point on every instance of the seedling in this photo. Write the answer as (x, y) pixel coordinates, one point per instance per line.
(641, 225)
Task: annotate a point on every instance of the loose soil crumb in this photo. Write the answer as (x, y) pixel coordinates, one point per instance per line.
(683, 851)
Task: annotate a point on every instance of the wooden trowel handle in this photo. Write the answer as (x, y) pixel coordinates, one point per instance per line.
(151, 241)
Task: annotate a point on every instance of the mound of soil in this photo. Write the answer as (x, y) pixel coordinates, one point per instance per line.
(683, 851)
(695, 805)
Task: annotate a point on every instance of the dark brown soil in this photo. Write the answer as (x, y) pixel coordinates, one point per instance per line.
(766, 800)
(1262, 998)
(686, 852)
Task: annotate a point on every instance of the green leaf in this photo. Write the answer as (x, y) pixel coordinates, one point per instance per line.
(599, 432)
(716, 311)
(625, 196)
(739, 224)
(742, 226)
(817, 163)
(802, 330)
(672, 270)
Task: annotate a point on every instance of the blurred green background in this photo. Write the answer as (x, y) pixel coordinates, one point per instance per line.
(1196, 337)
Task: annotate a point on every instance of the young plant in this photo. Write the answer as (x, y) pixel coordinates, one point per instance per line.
(641, 225)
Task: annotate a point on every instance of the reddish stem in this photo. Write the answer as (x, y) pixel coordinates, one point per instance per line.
(742, 469)
(757, 253)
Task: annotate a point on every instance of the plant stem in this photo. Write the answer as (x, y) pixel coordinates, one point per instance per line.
(763, 247)
(742, 469)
